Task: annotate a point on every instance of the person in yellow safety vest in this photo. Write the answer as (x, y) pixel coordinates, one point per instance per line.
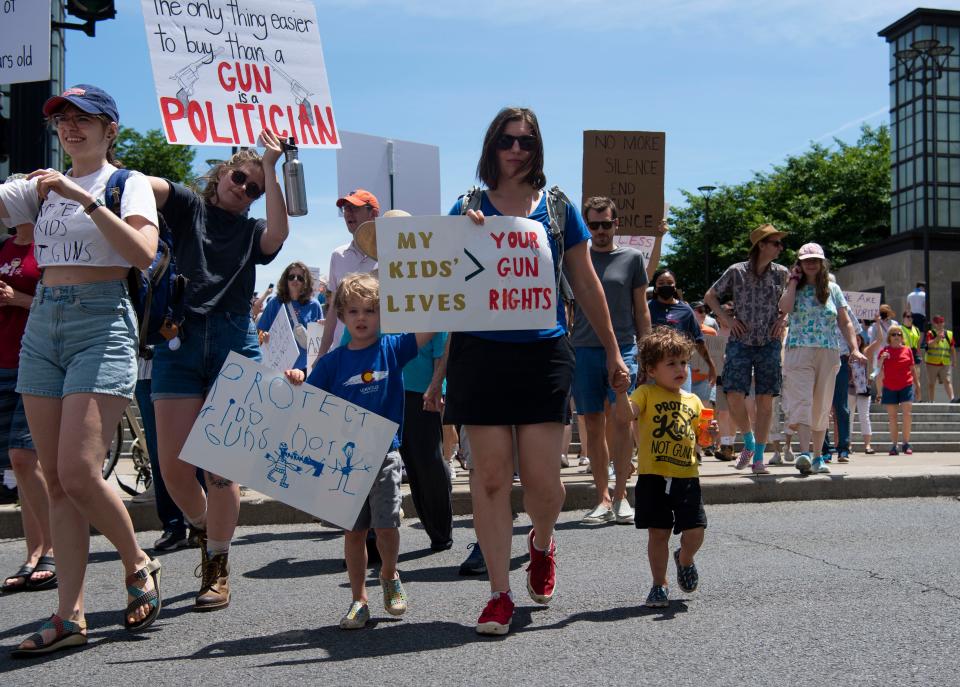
(940, 356)
(911, 339)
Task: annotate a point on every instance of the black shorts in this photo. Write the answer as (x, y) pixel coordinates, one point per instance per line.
(508, 383)
(681, 509)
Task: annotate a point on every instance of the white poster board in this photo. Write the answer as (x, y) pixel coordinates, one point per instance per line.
(225, 70)
(281, 351)
(446, 274)
(24, 41)
(367, 162)
(314, 335)
(297, 444)
(644, 244)
(866, 306)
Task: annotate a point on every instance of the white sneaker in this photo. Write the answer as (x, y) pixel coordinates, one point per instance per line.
(598, 515)
(775, 459)
(787, 454)
(583, 462)
(564, 460)
(451, 469)
(623, 512)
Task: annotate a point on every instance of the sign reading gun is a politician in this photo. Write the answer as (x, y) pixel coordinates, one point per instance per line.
(226, 70)
(298, 444)
(447, 274)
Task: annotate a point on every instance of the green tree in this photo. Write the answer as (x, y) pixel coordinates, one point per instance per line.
(151, 154)
(838, 196)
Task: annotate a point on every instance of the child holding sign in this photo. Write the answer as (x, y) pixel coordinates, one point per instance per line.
(668, 485)
(367, 371)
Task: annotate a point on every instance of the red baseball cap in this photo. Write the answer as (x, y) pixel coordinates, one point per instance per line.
(938, 319)
(359, 198)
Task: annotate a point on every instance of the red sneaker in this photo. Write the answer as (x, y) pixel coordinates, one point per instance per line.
(496, 616)
(542, 572)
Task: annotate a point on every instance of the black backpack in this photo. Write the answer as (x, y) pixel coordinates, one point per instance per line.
(157, 293)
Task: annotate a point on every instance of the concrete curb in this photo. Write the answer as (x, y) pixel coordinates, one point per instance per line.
(258, 510)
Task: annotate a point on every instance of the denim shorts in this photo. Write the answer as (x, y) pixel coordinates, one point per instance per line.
(14, 432)
(381, 510)
(747, 366)
(205, 343)
(894, 397)
(591, 384)
(80, 339)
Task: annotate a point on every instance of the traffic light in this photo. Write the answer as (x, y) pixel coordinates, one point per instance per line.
(92, 10)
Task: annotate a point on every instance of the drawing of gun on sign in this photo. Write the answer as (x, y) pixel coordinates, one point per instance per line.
(189, 75)
(300, 93)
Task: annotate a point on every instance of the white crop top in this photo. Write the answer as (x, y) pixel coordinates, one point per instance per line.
(64, 234)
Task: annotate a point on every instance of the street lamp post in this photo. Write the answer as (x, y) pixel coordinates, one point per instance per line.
(706, 192)
(923, 63)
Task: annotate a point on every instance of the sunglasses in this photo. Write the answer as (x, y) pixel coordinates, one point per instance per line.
(605, 224)
(296, 277)
(895, 334)
(239, 177)
(506, 141)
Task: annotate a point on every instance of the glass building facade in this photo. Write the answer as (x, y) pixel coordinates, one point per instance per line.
(925, 125)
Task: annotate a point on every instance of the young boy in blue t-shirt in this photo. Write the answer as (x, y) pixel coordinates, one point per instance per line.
(367, 371)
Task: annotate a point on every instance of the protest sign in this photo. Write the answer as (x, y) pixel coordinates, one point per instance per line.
(645, 244)
(314, 335)
(866, 306)
(226, 70)
(24, 41)
(297, 444)
(281, 352)
(627, 166)
(446, 274)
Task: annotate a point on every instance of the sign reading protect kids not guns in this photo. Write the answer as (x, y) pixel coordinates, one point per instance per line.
(226, 69)
(297, 444)
(448, 274)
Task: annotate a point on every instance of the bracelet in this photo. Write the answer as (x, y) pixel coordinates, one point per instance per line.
(98, 203)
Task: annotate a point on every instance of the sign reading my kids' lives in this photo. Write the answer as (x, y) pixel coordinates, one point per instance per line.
(297, 444)
(225, 70)
(448, 274)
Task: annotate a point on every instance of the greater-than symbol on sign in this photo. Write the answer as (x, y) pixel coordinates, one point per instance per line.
(476, 262)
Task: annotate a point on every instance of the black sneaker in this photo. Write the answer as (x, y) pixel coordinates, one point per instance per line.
(687, 576)
(7, 495)
(171, 540)
(474, 565)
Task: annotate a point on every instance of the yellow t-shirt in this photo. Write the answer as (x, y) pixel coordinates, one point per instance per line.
(666, 430)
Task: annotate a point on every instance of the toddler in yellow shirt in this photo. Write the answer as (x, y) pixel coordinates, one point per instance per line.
(667, 495)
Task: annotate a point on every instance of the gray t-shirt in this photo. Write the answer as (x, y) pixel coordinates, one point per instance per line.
(620, 271)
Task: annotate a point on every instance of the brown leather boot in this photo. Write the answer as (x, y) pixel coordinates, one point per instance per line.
(215, 588)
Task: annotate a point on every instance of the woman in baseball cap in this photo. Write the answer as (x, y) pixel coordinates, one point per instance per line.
(78, 357)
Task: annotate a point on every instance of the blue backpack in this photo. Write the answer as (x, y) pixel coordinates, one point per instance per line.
(157, 293)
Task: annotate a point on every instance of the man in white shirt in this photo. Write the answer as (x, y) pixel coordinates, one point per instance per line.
(358, 207)
(917, 305)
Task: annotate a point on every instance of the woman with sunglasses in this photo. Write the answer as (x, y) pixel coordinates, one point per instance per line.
(818, 318)
(295, 299)
(217, 247)
(78, 354)
(508, 386)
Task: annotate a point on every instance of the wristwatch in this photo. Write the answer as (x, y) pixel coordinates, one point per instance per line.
(98, 203)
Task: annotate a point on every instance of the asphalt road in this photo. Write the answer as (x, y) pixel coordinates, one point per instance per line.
(849, 592)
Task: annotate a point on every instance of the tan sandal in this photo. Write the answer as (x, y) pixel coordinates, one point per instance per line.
(69, 633)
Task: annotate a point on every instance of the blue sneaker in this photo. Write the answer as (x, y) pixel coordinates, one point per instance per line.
(657, 598)
(474, 564)
(803, 463)
(819, 465)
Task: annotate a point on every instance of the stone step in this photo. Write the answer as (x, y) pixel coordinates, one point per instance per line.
(917, 446)
(918, 426)
(948, 408)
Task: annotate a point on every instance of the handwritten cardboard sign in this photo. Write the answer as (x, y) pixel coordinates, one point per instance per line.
(866, 306)
(281, 352)
(627, 166)
(314, 336)
(297, 444)
(448, 274)
(225, 70)
(24, 41)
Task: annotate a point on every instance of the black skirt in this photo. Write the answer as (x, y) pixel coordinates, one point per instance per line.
(507, 383)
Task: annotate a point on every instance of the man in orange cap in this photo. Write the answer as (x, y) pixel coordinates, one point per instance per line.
(358, 206)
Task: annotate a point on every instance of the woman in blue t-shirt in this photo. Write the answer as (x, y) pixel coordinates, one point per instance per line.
(293, 297)
(513, 386)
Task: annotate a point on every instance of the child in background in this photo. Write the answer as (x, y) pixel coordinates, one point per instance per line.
(367, 372)
(897, 363)
(668, 485)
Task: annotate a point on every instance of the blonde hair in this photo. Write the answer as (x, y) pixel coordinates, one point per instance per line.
(663, 342)
(895, 329)
(364, 287)
(236, 161)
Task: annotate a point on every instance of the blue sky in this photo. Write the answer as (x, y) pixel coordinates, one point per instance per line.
(737, 84)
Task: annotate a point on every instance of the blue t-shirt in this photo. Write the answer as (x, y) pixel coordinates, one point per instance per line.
(419, 371)
(370, 378)
(677, 316)
(305, 312)
(574, 232)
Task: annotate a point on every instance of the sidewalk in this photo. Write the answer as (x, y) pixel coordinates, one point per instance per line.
(876, 476)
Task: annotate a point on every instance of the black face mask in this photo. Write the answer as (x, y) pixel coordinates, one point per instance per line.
(666, 292)
(883, 316)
